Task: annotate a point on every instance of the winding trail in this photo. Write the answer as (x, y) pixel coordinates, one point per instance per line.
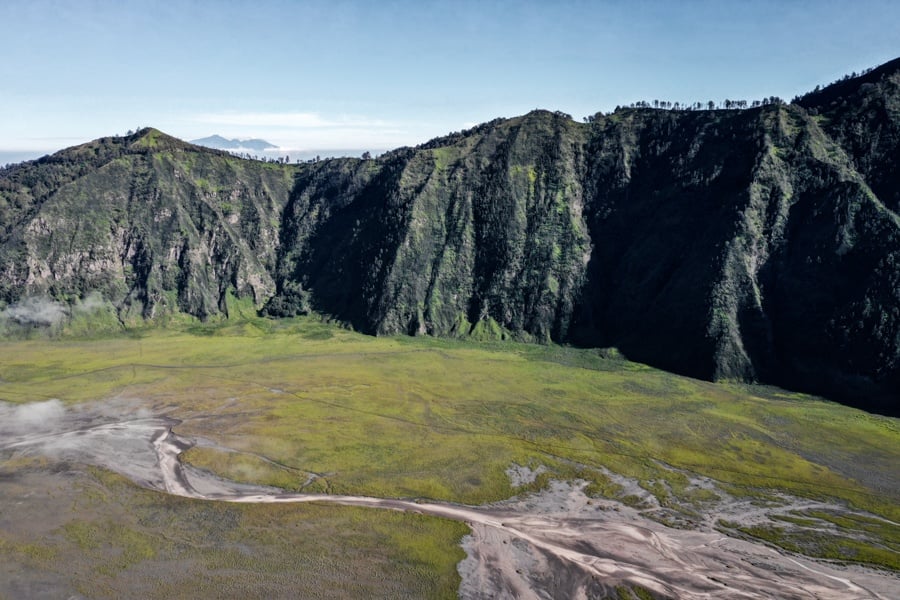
(558, 543)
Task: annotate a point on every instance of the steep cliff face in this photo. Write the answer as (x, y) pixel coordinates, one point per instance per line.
(751, 234)
(665, 195)
(481, 230)
(756, 244)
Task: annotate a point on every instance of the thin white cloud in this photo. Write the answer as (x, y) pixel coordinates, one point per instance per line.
(306, 130)
(289, 120)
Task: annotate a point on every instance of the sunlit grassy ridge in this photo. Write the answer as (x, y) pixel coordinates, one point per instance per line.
(315, 407)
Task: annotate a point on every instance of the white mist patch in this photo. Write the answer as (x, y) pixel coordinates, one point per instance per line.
(19, 419)
(41, 312)
(44, 312)
(35, 420)
(115, 434)
(91, 303)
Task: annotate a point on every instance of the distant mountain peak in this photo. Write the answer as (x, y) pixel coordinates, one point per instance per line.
(220, 143)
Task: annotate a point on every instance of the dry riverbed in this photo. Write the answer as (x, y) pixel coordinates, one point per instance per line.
(551, 544)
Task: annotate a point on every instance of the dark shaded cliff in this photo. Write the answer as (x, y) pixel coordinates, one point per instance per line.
(758, 244)
(752, 235)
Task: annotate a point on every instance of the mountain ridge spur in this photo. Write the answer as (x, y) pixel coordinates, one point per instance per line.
(754, 244)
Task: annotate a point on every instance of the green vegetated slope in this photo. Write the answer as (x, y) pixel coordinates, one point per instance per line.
(153, 224)
(754, 245)
(309, 406)
(863, 115)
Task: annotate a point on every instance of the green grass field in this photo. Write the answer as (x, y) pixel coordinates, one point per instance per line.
(312, 406)
(88, 532)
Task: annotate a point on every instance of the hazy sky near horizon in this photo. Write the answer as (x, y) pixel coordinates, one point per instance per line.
(381, 74)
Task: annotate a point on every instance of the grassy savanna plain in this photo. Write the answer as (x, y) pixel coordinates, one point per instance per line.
(305, 405)
(68, 530)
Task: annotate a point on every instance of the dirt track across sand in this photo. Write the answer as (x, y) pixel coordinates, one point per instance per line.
(557, 543)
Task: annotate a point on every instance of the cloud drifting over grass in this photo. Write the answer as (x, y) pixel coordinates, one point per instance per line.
(44, 312)
(40, 312)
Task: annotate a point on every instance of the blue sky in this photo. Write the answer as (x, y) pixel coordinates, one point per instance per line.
(380, 74)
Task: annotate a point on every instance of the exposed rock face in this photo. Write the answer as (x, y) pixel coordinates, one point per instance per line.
(758, 244)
